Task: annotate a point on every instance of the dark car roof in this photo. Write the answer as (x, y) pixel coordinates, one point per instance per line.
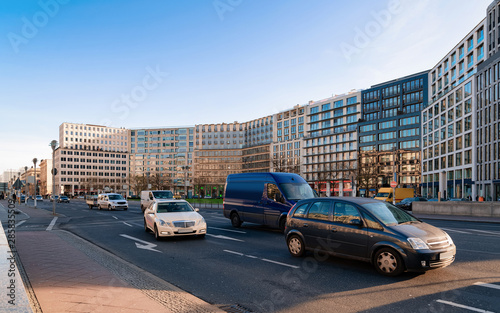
(357, 200)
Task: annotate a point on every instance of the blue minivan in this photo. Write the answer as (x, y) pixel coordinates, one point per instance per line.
(263, 198)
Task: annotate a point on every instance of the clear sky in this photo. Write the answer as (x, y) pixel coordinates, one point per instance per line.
(158, 63)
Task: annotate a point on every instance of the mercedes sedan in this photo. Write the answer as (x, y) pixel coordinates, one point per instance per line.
(169, 218)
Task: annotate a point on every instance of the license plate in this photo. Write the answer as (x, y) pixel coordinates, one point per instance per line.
(184, 230)
(446, 255)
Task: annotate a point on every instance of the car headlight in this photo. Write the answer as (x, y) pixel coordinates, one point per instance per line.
(417, 243)
(200, 221)
(164, 223)
(449, 239)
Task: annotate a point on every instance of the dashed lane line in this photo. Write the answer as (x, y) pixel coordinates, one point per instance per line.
(262, 259)
(225, 237)
(229, 230)
(127, 224)
(487, 285)
(457, 305)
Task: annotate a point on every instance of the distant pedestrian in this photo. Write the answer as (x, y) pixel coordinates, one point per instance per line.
(14, 197)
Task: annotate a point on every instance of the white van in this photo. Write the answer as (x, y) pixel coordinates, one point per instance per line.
(148, 196)
(111, 201)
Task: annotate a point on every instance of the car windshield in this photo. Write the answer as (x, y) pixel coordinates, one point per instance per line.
(115, 197)
(172, 207)
(382, 194)
(297, 192)
(389, 214)
(163, 194)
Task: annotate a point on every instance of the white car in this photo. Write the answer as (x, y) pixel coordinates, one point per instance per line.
(111, 201)
(39, 198)
(169, 218)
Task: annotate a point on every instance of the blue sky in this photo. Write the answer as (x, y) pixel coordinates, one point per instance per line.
(160, 63)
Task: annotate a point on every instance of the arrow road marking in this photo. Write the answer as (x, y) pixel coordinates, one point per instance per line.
(145, 245)
(225, 237)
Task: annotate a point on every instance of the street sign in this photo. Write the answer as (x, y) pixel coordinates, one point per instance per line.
(393, 184)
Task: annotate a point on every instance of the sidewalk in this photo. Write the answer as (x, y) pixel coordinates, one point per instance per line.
(69, 274)
(461, 218)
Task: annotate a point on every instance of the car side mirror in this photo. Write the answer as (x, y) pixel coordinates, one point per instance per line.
(356, 222)
(197, 210)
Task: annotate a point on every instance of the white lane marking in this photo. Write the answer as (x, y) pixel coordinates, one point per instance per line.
(234, 252)
(230, 230)
(279, 263)
(146, 245)
(481, 252)
(463, 306)
(487, 285)
(265, 260)
(115, 217)
(127, 224)
(485, 231)
(20, 223)
(217, 217)
(51, 225)
(225, 237)
(456, 231)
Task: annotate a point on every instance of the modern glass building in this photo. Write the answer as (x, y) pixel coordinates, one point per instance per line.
(389, 134)
(330, 151)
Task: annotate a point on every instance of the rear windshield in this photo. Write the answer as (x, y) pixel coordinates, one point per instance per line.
(115, 197)
(173, 207)
(163, 194)
(297, 192)
(389, 214)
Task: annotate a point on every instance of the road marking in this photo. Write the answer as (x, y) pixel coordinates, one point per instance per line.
(145, 245)
(476, 251)
(230, 230)
(456, 231)
(115, 217)
(225, 237)
(233, 252)
(51, 225)
(20, 223)
(486, 232)
(279, 263)
(218, 217)
(463, 306)
(265, 260)
(487, 285)
(127, 224)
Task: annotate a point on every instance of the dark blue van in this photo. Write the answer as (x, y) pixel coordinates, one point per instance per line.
(263, 198)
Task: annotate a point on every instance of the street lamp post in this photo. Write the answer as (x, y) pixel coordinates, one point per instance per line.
(53, 145)
(36, 181)
(26, 189)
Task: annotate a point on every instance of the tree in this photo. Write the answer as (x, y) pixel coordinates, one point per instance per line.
(138, 183)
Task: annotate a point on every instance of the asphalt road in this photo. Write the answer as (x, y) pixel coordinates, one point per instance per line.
(251, 266)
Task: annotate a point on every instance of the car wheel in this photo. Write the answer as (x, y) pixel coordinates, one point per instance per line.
(282, 224)
(109, 207)
(201, 236)
(235, 220)
(296, 246)
(90, 207)
(388, 262)
(157, 234)
(146, 229)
